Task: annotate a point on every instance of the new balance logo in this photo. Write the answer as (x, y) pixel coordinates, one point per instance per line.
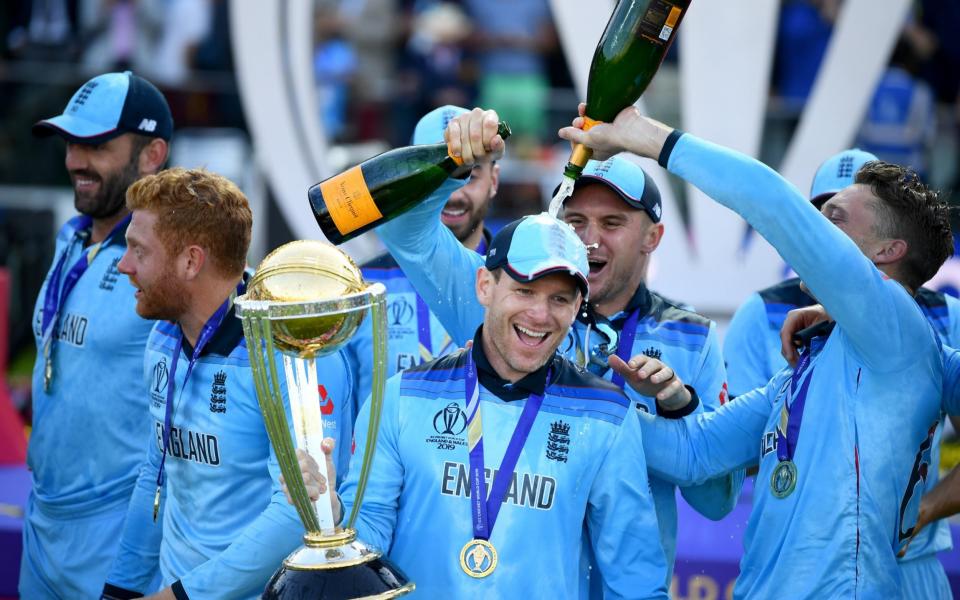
(148, 125)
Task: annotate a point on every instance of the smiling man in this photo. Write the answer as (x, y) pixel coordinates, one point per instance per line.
(90, 344)
(842, 441)
(206, 503)
(473, 507)
(616, 210)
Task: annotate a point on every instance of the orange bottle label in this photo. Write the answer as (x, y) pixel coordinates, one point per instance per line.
(673, 17)
(349, 201)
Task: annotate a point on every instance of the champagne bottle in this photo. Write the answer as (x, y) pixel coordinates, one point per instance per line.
(383, 187)
(630, 51)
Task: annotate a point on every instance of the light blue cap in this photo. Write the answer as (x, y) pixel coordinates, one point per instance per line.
(430, 127)
(836, 173)
(536, 246)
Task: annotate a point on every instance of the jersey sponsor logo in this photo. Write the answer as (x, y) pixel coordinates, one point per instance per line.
(910, 503)
(558, 441)
(218, 393)
(110, 276)
(525, 489)
(71, 329)
(449, 422)
(198, 447)
(653, 352)
(326, 402)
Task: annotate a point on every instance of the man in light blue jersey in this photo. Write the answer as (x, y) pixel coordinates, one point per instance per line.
(90, 344)
(552, 447)
(751, 346)
(415, 334)
(616, 210)
(752, 351)
(206, 504)
(843, 441)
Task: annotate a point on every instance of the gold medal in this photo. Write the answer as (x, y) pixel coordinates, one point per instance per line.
(478, 558)
(784, 479)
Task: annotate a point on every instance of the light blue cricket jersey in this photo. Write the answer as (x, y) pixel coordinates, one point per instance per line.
(225, 524)
(752, 349)
(570, 472)
(88, 430)
(415, 334)
(444, 273)
(862, 450)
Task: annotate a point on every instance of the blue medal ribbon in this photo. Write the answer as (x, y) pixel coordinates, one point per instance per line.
(484, 508)
(206, 334)
(60, 286)
(788, 431)
(625, 344)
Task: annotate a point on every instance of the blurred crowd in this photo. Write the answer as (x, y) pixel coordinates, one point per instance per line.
(379, 64)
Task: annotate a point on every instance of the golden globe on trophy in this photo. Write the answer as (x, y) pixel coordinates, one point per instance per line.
(307, 299)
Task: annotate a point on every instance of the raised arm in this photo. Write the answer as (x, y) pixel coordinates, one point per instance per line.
(830, 263)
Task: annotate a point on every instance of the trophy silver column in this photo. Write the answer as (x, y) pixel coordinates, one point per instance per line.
(307, 299)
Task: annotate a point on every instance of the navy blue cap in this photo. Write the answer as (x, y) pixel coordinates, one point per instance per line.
(628, 180)
(110, 105)
(536, 246)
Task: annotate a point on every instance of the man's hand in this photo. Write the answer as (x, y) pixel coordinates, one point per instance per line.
(650, 377)
(316, 483)
(797, 320)
(473, 136)
(629, 132)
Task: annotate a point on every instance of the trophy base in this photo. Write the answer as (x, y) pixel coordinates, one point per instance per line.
(337, 567)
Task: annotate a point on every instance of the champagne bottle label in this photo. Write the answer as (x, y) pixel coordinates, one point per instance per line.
(659, 21)
(349, 201)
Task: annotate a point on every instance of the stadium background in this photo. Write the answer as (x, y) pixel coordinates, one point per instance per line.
(279, 94)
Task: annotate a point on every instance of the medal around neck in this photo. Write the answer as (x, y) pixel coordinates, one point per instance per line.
(784, 479)
(306, 300)
(478, 558)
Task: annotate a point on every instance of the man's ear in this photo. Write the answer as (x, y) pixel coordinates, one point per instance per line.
(193, 258)
(485, 284)
(152, 156)
(890, 252)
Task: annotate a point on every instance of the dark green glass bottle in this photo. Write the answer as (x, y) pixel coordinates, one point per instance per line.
(383, 187)
(630, 51)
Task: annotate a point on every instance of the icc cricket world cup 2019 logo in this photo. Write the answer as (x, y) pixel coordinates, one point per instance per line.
(449, 423)
(454, 420)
